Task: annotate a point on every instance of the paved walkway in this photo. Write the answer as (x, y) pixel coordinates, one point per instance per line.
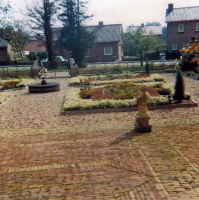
(99, 156)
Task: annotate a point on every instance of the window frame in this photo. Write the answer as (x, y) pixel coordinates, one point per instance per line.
(197, 27)
(110, 53)
(174, 49)
(179, 31)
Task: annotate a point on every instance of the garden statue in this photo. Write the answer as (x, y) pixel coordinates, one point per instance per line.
(142, 117)
(43, 86)
(42, 74)
(142, 100)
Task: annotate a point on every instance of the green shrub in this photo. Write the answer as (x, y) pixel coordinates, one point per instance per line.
(97, 73)
(179, 92)
(187, 96)
(117, 69)
(42, 55)
(164, 91)
(151, 66)
(5, 78)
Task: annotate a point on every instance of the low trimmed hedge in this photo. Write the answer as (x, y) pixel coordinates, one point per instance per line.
(152, 78)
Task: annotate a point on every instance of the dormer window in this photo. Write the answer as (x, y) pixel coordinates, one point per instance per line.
(197, 26)
(180, 28)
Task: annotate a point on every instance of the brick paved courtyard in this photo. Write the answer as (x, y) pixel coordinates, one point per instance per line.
(47, 156)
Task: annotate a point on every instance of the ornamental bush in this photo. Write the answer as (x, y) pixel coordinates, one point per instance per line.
(179, 88)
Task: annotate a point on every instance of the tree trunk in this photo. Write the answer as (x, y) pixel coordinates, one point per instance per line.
(141, 58)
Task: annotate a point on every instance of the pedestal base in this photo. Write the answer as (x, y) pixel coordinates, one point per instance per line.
(142, 123)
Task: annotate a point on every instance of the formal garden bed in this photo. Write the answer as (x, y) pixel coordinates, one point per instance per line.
(14, 83)
(119, 93)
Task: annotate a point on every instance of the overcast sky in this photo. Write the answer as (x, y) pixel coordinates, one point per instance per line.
(125, 12)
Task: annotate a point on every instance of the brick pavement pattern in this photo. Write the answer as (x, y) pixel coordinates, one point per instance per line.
(47, 156)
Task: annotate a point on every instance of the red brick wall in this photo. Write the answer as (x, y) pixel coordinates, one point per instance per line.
(174, 36)
(97, 53)
(3, 54)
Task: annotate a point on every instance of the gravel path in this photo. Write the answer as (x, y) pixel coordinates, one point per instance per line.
(43, 110)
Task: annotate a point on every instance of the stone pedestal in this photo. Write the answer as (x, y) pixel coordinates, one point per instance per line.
(142, 123)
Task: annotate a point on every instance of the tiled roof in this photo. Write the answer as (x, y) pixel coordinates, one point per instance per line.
(106, 33)
(183, 14)
(156, 30)
(3, 43)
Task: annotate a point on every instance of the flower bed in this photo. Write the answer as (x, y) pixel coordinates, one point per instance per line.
(73, 100)
(14, 83)
(82, 80)
(118, 91)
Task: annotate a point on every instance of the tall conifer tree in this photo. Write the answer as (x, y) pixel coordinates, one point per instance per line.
(73, 35)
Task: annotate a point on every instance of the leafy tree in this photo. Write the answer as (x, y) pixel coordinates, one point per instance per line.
(6, 28)
(73, 35)
(18, 41)
(142, 42)
(179, 86)
(41, 16)
(153, 24)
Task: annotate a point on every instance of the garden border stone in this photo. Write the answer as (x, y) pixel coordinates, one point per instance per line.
(184, 104)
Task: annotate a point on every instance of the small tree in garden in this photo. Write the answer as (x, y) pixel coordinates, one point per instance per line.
(141, 42)
(179, 86)
(147, 67)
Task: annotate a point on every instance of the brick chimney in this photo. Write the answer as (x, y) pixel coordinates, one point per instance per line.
(100, 23)
(170, 9)
(142, 24)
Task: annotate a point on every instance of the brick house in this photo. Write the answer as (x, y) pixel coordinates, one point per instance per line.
(182, 25)
(108, 43)
(6, 52)
(33, 45)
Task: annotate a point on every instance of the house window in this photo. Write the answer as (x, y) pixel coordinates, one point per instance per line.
(108, 51)
(174, 46)
(181, 28)
(56, 50)
(87, 53)
(185, 45)
(197, 26)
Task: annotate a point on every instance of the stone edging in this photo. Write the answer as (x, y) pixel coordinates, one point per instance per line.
(191, 103)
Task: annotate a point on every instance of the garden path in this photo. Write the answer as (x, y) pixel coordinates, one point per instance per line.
(27, 110)
(44, 155)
